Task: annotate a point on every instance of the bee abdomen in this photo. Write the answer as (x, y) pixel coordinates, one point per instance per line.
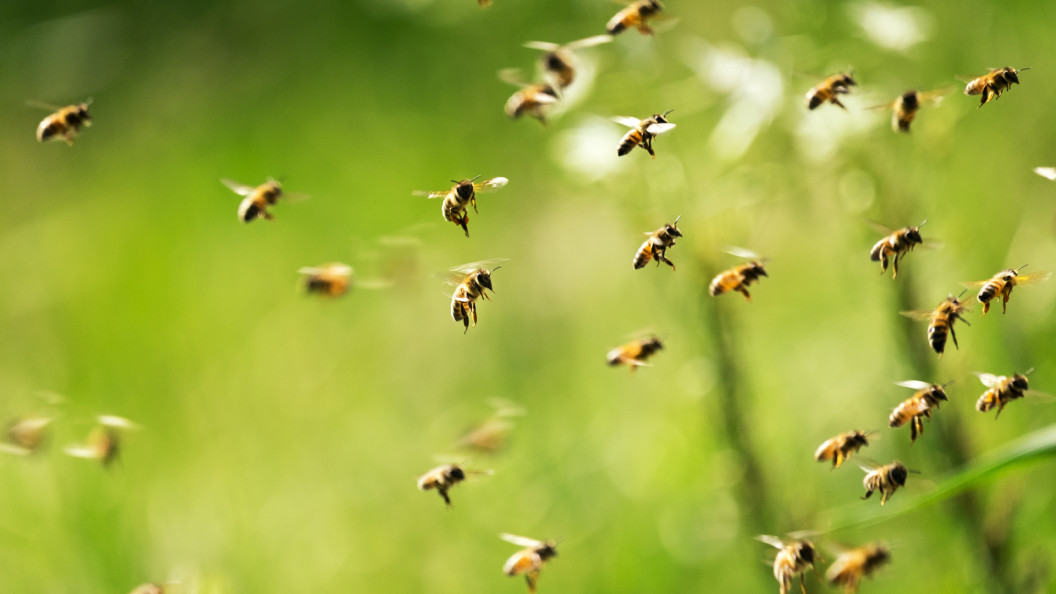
(716, 287)
(630, 140)
(643, 256)
(937, 335)
(988, 292)
(987, 401)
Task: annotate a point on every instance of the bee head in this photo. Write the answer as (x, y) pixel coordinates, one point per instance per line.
(805, 551)
(911, 99)
(848, 78)
(899, 474)
(457, 473)
(1020, 382)
(937, 392)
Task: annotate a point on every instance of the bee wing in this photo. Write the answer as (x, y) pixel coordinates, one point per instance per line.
(240, 189)
(989, 380)
(627, 121)
(658, 128)
(8, 448)
(117, 422)
(40, 105)
(431, 195)
(83, 451)
(773, 541)
(468, 267)
(889, 105)
(918, 315)
(374, 284)
(295, 196)
(1046, 172)
(588, 42)
(521, 541)
(491, 185)
(914, 384)
(974, 284)
(741, 252)
(544, 46)
(513, 76)
(1031, 279)
(936, 96)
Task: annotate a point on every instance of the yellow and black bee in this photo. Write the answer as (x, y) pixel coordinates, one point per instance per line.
(559, 63)
(256, 199)
(1002, 284)
(739, 277)
(839, 448)
(473, 282)
(104, 440)
(635, 353)
(636, 15)
(904, 109)
(642, 132)
(442, 478)
(65, 123)
(940, 322)
(529, 560)
(830, 90)
(851, 566)
(793, 558)
(463, 194)
(533, 99)
(917, 407)
(1001, 390)
(993, 83)
(886, 479)
(895, 246)
(27, 435)
(657, 244)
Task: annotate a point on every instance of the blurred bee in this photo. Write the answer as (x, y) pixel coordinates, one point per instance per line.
(104, 440)
(559, 63)
(851, 566)
(475, 281)
(331, 280)
(491, 435)
(1002, 284)
(484, 3)
(895, 246)
(463, 194)
(739, 277)
(634, 353)
(839, 448)
(941, 322)
(443, 478)
(65, 123)
(153, 588)
(830, 90)
(657, 244)
(793, 558)
(1001, 391)
(26, 435)
(636, 15)
(917, 407)
(529, 560)
(886, 479)
(993, 83)
(906, 106)
(533, 99)
(256, 200)
(642, 132)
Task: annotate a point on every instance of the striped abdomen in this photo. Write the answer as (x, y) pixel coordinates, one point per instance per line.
(630, 140)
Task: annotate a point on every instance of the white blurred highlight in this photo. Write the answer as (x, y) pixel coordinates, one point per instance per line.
(894, 28)
(588, 149)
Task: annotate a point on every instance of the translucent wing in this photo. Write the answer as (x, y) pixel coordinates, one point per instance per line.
(889, 105)
(588, 42)
(773, 541)
(431, 195)
(491, 185)
(918, 315)
(627, 121)
(513, 76)
(936, 95)
(240, 189)
(1046, 172)
(8, 448)
(741, 252)
(914, 384)
(471, 266)
(655, 129)
(118, 422)
(521, 541)
(974, 284)
(544, 46)
(1030, 279)
(989, 380)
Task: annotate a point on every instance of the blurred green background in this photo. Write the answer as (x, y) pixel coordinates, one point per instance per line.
(281, 435)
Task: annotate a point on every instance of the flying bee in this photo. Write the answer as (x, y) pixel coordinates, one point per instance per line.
(636, 15)
(642, 132)
(993, 83)
(1002, 284)
(830, 90)
(839, 448)
(1001, 390)
(634, 353)
(851, 566)
(895, 246)
(104, 440)
(26, 435)
(739, 277)
(533, 99)
(529, 560)
(473, 282)
(463, 194)
(559, 63)
(331, 280)
(904, 109)
(917, 407)
(940, 322)
(256, 200)
(491, 435)
(442, 478)
(65, 123)
(657, 244)
(793, 558)
(886, 479)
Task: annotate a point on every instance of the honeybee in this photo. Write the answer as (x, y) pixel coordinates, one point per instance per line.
(104, 440)
(739, 277)
(830, 90)
(941, 322)
(993, 83)
(895, 246)
(1001, 391)
(256, 200)
(886, 479)
(839, 448)
(529, 560)
(657, 244)
(26, 435)
(793, 558)
(559, 63)
(636, 15)
(851, 566)
(634, 353)
(917, 407)
(642, 132)
(443, 478)
(1002, 284)
(533, 99)
(65, 123)
(491, 435)
(463, 194)
(474, 284)
(905, 107)
(331, 280)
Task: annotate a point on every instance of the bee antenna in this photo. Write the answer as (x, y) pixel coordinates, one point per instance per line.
(664, 115)
(1021, 268)
(680, 216)
(1029, 371)
(475, 179)
(922, 223)
(961, 294)
(496, 268)
(948, 383)
(1022, 69)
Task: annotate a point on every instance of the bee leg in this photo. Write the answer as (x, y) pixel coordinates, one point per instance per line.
(894, 266)
(443, 493)
(267, 215)
(473, 308)
(883, 263)
(744, 291)
(913, 429)
(954, 335)
(1004, 302)
(803, 583)
(473, 201)
(867, 495)
(836, 101)
(531, 578)
(838, 459)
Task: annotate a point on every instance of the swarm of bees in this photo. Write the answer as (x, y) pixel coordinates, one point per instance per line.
(1001, 390)
(894, 246)
(793, 558)
(830, 90)
(886, 479)
(65, 123)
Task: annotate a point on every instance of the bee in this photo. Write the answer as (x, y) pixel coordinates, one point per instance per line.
(491, 435)
(642, 132)
(104, 440)
(529, 560)
(993, 83)
(474, 284)
(442, 478)
(895, 246)
(559, 63)
(533, 99)
(26, 435)
(1002, 284)
(886, 479)
(905, 107)
(636, 15)
(940, 322)
(65, 123)
(739, 277)
(830, 90)
(484, 3)
(793, 558)
(256, 200)
(851, 566)
(634, 353)
(1001, 390)
(839, 448)
(917, 407)
(331, 280)
(463, 194)
(657, 244)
